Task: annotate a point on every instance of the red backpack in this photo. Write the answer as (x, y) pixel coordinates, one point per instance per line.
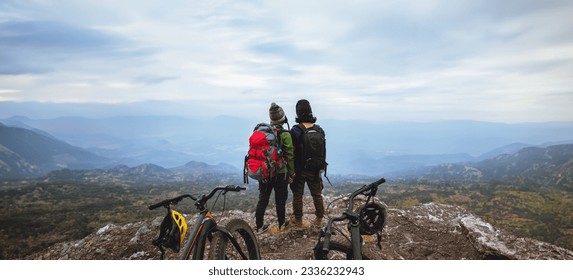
(264, 160)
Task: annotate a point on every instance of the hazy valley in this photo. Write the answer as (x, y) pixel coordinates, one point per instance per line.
(354, 147)
(64, 178)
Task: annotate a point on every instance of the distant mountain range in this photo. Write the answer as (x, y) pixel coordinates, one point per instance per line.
(150, 173)
(550, 166)
(367, 148)
(31, 153)
(165, 141)
(391, 148)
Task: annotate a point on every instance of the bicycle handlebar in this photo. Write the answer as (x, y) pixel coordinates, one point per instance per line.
(201, 199)
(368, 190)
(378, 183)
(170, 201)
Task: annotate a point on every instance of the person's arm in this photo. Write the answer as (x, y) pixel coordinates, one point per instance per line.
(288, 150)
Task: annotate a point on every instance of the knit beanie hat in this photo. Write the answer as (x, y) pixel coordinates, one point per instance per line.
(277, 114)
(304, 112)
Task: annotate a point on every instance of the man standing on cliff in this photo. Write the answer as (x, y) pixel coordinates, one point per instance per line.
(310, 161)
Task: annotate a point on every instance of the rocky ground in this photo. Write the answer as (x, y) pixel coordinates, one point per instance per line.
(428, 231)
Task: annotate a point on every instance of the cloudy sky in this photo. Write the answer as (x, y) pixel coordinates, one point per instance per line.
(506, 61)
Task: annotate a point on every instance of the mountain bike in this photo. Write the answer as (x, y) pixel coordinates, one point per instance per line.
(368, 220)
(234, 240)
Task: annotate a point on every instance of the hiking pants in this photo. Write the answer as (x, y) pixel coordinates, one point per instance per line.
(279, 185)
(314, 182)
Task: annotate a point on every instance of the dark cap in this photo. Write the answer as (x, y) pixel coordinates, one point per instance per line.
(304, 112)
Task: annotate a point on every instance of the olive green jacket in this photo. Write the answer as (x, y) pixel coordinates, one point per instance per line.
(287, 148)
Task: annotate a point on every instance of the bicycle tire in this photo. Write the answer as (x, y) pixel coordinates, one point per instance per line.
(223, 248)
(338, 251)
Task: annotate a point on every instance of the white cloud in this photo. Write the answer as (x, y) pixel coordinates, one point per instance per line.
(403, 60)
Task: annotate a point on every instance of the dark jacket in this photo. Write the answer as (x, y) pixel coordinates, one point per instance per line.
(296, 133)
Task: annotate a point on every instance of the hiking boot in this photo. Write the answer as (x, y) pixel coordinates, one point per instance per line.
(317, 222)
(294, 222)
(262, 229)
(274, 229)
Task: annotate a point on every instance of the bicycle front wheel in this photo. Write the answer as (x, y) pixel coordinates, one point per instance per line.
(338, 251)
(224, 249)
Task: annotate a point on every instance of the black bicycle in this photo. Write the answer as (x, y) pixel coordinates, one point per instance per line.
(368, 220)
(235, 240)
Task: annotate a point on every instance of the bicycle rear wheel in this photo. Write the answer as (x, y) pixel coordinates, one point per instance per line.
(223, 248)
(338, 251)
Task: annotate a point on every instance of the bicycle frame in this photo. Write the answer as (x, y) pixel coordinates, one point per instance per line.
(204, 226)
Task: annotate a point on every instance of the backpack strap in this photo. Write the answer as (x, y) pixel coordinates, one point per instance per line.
(299, 144)
(278, 131)
(288, 124)
(303, 130)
